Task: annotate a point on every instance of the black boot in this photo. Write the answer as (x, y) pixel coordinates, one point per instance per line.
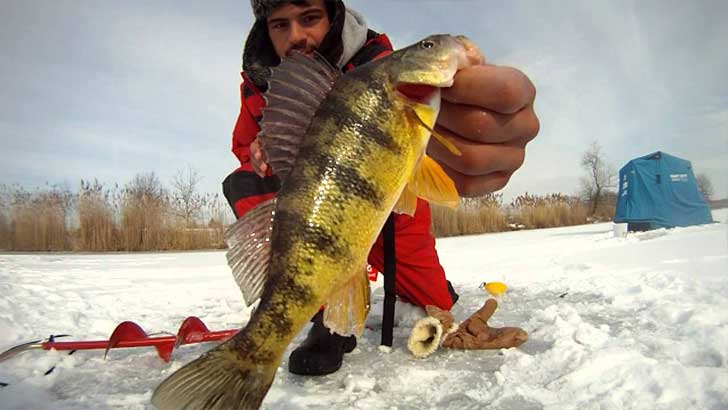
(454, 295)
(322, 352)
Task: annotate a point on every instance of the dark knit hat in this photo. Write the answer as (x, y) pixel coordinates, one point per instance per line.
(263, 8)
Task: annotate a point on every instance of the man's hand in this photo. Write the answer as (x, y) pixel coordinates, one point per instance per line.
(257, 158)
(488, 114)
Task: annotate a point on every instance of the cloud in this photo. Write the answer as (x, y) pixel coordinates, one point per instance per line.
(108, 90)
(111, 89)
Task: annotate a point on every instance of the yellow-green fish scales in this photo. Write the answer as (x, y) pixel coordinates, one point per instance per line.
(361, 149)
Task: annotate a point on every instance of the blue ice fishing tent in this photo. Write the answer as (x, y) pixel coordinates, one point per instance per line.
(659, 191)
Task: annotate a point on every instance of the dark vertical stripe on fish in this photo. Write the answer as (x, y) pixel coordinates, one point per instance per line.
(368, 129)
(320, 240)
(285, 296)
(347, 179)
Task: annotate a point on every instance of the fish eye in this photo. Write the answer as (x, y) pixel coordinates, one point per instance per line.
(427, 44)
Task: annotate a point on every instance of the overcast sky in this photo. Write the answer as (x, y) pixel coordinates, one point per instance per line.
(107, 89)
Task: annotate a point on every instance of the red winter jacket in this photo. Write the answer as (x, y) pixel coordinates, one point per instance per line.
(244, 189)
(420, 278)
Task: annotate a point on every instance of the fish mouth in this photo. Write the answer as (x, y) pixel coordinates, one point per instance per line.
(419, 93)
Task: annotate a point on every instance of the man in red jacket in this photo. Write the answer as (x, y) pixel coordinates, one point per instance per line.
(488, 114)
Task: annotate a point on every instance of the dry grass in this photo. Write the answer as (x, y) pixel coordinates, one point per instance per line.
(473, 216)
(487, 214)
(143, 224)
(143, 216)
(4, 231)
(139, 217)
(535, 212)
(36, 221)
(96, 230)
(606, 208)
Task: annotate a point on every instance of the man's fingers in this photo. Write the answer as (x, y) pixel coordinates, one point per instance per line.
(502, 89)
(255, 160)
(487, 126)
(474, 186)
(257, 157)
(477, 158)
(260, 168)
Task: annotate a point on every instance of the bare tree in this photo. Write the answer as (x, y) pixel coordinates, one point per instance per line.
(705, 186)
(600, 177)
(187, 201)
(145, 187)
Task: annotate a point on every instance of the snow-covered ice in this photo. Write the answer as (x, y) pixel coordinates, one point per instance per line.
(639, 322)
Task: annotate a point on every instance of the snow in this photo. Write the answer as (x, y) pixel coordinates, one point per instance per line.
(635, 322)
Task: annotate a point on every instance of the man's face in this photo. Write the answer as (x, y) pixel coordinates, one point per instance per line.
(298, 27)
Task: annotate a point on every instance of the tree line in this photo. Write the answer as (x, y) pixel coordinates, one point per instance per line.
(145, 215)
(142, 215)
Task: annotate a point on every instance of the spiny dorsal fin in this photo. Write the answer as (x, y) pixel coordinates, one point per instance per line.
(249, 254)
(295, 91)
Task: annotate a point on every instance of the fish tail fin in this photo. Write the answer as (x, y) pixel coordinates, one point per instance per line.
(223, 378)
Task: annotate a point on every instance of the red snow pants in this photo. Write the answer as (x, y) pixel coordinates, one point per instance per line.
(419, 277)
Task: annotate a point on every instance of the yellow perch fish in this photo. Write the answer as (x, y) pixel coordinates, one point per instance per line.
(348, 150)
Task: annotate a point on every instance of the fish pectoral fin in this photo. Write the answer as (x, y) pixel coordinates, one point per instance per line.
(431, 183)
(348, 306)
(249, 249)
(407, 202)
(422, 113)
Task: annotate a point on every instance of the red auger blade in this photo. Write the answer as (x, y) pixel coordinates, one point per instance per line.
(192, 330)
(131, 332)
(128, 334)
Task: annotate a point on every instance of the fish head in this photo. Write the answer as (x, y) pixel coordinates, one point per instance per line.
(430, 64)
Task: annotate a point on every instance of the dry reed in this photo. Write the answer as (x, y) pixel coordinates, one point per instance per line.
(37, 220)
(473, 216)
(142, 216)
(96, 230)
(605, 209)
(535, 212)
(4, 231)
